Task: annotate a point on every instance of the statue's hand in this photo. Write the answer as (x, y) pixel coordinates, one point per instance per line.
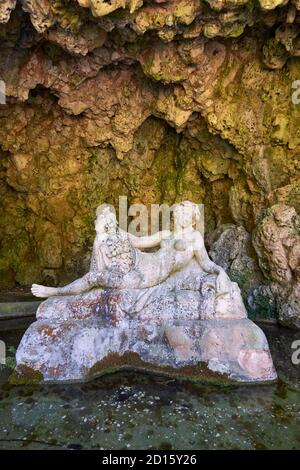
(42, 291)
(223, 283)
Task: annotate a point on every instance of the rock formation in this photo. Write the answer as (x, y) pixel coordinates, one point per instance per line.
(160, 101)
(277, 243)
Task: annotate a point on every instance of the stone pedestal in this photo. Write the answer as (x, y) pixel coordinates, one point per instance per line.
(82, 337)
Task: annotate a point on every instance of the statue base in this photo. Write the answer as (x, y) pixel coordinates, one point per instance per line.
(79, 338)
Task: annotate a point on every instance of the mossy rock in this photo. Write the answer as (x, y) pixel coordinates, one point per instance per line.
(24, 375)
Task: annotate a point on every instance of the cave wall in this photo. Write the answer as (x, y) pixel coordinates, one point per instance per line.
(157, 100)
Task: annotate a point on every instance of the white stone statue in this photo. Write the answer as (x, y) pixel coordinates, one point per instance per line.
(171, 311)
(118, 262)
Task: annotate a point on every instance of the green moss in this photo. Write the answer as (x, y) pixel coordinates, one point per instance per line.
(68, 15)
(24, 375)
(113, 362)
(235, 30)
(10, 362)
(244, 280)
(265, 308)
(7, 278)
(53, 52)
(168, 68)
(275, 47)
(119, 14)
(294, 197)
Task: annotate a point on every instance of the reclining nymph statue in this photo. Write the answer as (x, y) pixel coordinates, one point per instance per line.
(170, 310)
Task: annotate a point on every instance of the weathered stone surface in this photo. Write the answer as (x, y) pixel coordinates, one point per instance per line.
(193, 350)
(41, 13)
(6, 8)
(90, 38)
(172, 310)
(231, 248)
(277, 242)
(164, 101)
(184, 304)
(271, 4)
(86, 336)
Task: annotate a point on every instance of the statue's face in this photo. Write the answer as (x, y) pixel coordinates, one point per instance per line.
(105, 220)
(183, 217)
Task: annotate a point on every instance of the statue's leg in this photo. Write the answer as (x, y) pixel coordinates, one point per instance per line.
(84, 284)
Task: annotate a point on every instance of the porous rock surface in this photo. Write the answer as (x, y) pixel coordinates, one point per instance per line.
(160, 101)
(180, 333)
(266, 265)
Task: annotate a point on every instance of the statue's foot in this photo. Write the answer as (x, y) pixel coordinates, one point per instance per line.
(42, 291)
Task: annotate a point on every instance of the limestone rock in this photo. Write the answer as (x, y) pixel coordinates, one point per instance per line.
(277, 242)
(186, 350)
(41, 13)
(274, 54)
(271, 4)
(288, 304)
(219, 5)
(89, 39)
(262, 302)
(5, 10)
(231, 248)
(101, 7)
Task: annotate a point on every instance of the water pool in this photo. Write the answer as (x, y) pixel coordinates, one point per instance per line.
(134, 411)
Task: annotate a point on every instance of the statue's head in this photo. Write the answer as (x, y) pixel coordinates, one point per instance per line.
(186, 214)
(106, 219)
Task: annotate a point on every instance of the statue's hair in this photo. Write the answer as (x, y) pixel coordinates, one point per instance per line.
(106, 209)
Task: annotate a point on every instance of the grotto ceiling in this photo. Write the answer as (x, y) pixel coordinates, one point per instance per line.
(157, 100)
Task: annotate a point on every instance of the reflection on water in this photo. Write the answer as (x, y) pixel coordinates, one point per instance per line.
(134, 411)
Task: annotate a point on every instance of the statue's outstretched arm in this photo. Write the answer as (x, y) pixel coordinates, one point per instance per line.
(149, 241)
(84, 284)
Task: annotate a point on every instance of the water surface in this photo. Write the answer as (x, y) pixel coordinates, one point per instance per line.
(135, 411)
